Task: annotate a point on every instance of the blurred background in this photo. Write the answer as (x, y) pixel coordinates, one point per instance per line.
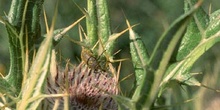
(153, 16)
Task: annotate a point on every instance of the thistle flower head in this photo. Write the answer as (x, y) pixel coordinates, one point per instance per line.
(88, 89)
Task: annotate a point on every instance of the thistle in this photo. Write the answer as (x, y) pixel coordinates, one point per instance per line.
(87, 88)
(36, 81)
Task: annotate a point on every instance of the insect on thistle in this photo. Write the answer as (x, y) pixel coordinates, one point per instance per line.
(91, 60)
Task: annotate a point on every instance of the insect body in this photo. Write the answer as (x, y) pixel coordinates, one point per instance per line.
(90, 59)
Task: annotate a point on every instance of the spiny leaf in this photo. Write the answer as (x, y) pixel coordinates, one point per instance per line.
(18, 20)
(109, 45)
(139, 58)
(14, 76)
(92, 22)
(38, 71)
(181, 70)
(160, 59)
(104, 30)
(188, 79)
(6, 87)
(195, 31)
(65, 30)
(124, 103)
(59, 33)
(214, 25)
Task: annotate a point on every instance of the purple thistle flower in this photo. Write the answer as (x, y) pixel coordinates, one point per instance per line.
(88, 89)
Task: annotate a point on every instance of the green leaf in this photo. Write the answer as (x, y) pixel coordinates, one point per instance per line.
(6, 88)
(37, 73)
(59, 33)
(36, 76)
(188, 79)
(194, 32)
(14, 76)
(193, 36)
(159, 60)
(124, 103)
(104, 30)
(92, 22)
(139, 57)
(214, 25)
(181, 70)
(23, 16)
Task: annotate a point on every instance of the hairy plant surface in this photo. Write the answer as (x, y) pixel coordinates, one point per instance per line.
(38, 79)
